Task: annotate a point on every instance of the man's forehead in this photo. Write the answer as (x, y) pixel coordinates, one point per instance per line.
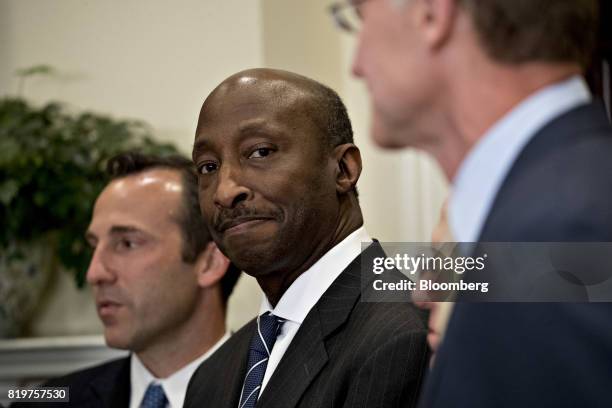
(264, 101)
(161, 179)
(268, 76)
(147, 202)
(142, 194)
(245, 92)
(254, 108)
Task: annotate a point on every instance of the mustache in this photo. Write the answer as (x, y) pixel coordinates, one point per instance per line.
(228, 217)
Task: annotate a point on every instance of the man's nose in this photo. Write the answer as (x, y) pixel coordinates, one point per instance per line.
(230, 188)
(357, 57)
(98, 271)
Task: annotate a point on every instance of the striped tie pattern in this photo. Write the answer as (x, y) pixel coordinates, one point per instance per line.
(268, 327)
(154, 397)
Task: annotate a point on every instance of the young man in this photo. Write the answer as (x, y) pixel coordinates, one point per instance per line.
(160, 285)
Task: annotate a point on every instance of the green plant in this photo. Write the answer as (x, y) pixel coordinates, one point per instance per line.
(52, 169)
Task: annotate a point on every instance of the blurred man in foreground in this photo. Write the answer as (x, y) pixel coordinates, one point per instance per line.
(278, 172)
(160, 285)
(492, 89)
(439, 311)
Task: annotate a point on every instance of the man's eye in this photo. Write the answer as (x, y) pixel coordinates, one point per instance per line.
(208, 168)
(261, 152)
(126, 244)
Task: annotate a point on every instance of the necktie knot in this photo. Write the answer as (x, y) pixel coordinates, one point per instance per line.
(154, 397)
(268, 328)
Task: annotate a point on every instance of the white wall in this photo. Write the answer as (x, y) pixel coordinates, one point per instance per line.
(153, 60)
(156, 60)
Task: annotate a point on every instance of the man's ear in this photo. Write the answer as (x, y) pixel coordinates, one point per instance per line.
(436, 19)
(211, 266)
(348, 170)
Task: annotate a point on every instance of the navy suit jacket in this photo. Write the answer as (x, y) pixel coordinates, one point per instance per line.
(347, 353)
(539, 354)
(103, 386)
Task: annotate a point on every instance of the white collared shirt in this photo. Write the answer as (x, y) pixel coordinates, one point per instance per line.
(306, 291)
(175, 385)
(483, 171)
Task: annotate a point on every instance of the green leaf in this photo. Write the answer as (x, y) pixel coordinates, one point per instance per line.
(9, 149)
(8, 190)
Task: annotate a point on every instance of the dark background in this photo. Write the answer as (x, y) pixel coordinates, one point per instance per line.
(599, 74)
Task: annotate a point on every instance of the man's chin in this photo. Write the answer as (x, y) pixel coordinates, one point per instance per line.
(387, 135)
(117, 340)
(257, 260)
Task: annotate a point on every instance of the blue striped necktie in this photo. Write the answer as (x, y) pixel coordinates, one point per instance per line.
(154, 397)
(268, 327)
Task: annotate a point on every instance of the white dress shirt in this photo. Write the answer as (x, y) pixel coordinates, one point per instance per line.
(483, 171)
(175, 386)
(306, 291)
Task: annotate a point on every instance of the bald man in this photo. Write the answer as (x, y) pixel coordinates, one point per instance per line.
(277, 171)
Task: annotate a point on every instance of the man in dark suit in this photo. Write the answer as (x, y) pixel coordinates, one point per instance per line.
(277, 171)
(492, 89)
(160, 285)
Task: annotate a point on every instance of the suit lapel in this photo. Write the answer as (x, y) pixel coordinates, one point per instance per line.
(302, 361)
(113, 388)
(217, 382)
(234, 369)
(307, 353)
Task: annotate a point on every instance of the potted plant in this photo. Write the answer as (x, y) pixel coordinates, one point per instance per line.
(51, 171)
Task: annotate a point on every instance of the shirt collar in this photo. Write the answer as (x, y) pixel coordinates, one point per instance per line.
(175, 385)
(487, 164)
(308, 288)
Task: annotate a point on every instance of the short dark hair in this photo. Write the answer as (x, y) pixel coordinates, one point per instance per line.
(517, 31)
(330, 115)
(193, 227)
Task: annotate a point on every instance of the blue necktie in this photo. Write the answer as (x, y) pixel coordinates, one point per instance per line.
(154, 397)
(268, 327)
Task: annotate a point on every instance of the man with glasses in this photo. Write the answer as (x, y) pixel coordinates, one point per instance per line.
(492, 90)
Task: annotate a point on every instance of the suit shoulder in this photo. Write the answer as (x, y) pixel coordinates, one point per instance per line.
(391, 317)
(243, 334)
(113, 373)
(210, 381)
(82, 377)
(568, 187)
(568, 155)
(227, 352)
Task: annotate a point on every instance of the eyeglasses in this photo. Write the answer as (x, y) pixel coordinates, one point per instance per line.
(346, 15)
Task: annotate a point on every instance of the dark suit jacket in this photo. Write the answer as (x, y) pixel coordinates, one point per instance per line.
(544, 354)
(102, 386)
(346, 353)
